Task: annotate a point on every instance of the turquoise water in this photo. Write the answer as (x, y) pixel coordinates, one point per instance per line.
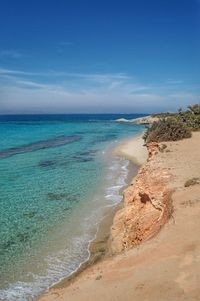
(58, 176)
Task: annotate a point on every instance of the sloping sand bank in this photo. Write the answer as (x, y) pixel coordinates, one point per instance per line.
(133, 149)
(165, 268)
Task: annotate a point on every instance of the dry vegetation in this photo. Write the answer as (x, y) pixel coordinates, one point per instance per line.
(174, 126)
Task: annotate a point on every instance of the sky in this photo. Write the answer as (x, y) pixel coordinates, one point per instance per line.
(89, 56)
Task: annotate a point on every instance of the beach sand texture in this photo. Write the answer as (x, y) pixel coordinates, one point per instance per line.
(133, 149)
(166, 267)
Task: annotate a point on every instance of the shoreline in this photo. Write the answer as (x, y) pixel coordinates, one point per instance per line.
(172, 259)
(99, 247)
(133, 149)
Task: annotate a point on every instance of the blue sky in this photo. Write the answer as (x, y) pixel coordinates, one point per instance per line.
(99, 56)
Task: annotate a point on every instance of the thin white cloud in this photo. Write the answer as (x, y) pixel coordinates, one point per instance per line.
(10, 54)
(4, 72)
(59, 100)
(65, 43)
(32, 84)
(174, 82)
(104, 77)
(60, 92)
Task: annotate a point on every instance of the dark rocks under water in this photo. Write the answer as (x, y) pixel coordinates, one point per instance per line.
(82, 159)
(52, 196)
(30, 214)
(53, 142)
(105, 138)
(20, 237)
(85, 156)
(47, 163)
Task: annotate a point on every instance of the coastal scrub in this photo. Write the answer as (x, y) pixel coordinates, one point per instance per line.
(166, 130)
(174, 126)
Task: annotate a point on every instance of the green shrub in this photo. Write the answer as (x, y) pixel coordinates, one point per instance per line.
(191, 117)
(174, 126)
(168, 129)
(164, 115)
(195, 109)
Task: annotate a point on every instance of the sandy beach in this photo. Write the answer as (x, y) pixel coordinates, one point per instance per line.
(159, 260)
(133, 150)
(99, 150)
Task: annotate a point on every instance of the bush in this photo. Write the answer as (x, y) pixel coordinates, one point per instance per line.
(168, 129)
(195, 109)
(164, 115)
(191, 117)
(174, 126)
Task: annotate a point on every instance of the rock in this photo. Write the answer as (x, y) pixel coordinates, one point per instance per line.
(122, 120)
(146, 120)
(142, 120)
(191, 182)
(147, 205)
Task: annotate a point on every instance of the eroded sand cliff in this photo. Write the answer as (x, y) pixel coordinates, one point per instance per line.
(147, 205)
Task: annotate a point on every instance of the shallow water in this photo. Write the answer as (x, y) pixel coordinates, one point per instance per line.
(57, 178)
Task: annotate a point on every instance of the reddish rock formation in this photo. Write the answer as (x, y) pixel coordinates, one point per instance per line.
(147, 205)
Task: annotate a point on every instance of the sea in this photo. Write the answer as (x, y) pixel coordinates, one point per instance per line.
(58, 177)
